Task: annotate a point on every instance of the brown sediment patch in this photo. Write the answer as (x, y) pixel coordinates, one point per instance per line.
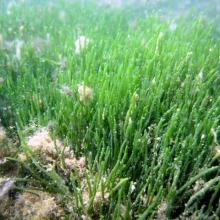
(6, 186)
(37, 205)
(27, 205)
(8, 171)
(53, 155)
(7, 149)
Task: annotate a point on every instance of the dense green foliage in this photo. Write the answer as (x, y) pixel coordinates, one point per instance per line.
(153, 117)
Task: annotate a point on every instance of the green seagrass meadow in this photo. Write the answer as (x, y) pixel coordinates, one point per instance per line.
(108, 113)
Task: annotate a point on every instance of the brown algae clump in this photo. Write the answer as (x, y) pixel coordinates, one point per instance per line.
(85, 93)
(53, 152)
(41, 142)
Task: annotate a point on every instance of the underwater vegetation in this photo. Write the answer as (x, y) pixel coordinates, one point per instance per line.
(108, 112)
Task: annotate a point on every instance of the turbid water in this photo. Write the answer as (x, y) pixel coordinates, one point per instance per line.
(109, 110)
